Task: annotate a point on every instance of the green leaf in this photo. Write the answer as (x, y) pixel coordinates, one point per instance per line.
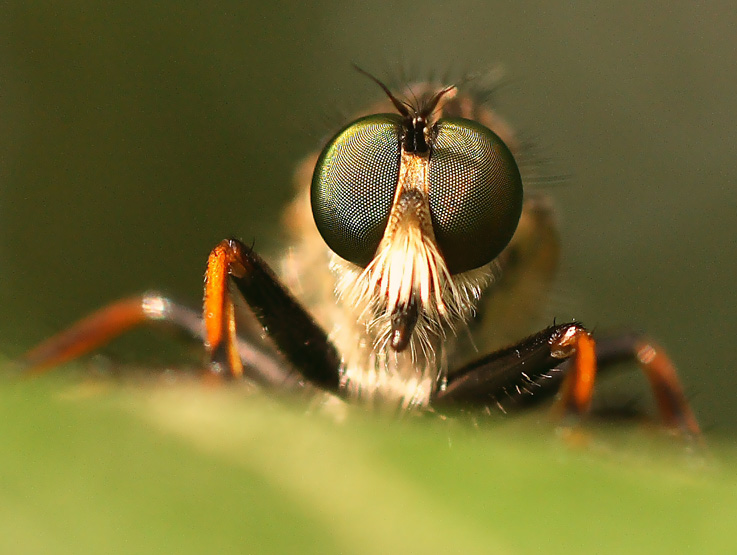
(167, 464)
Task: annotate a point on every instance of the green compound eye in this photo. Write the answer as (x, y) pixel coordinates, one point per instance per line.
(475, 189)
(475, 193)
(354, 183)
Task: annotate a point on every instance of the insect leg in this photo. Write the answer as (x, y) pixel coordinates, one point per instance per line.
(294, 332)
(532, 370)
(660, 371)
(110, 321)
(519, 372)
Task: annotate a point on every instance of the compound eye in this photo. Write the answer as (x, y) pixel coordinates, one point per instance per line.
(354, 183)
(475, 192)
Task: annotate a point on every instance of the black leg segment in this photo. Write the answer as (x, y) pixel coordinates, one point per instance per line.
(296, 334)
(522, 373)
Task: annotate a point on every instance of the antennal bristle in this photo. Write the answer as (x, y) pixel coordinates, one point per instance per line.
(401, 107)
(429, 108)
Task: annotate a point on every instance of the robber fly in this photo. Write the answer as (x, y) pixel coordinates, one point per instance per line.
(414, 242)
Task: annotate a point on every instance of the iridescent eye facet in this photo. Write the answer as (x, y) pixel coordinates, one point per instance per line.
(475, 193)
(354, 183)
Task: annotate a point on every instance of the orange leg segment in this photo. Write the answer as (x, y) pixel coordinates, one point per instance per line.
(113, 320)
(219, 312)
(302, 342)
(578, 386)
(92, 332)
(667, 389)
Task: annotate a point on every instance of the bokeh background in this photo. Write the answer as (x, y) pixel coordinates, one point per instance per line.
(136, 135)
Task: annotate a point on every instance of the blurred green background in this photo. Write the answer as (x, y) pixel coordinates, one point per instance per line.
(137, 135)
